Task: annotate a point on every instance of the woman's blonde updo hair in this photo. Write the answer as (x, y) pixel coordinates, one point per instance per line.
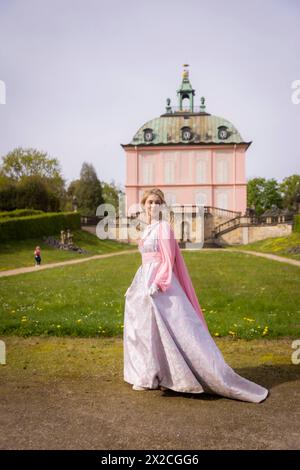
(157, 192)
(154, 191)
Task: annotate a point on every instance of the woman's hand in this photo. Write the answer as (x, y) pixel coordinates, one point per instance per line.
(153, 289)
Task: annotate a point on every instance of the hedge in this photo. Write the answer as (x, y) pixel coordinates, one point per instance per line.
(20, 213)
(297, 223)
(33, 226)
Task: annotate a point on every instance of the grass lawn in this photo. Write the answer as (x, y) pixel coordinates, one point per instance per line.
(63, 358)
(277, 246)
(19, 253)
(242, 296)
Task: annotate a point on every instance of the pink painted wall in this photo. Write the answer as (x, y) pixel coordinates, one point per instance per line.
(214, 176)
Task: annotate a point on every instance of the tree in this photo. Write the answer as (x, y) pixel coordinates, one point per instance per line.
(88, 190)
(272, 194)
(32, 194)
(111, 194)
(28, 162)
(290, 188)
(262, 194)
(25, 166)
(8, 194)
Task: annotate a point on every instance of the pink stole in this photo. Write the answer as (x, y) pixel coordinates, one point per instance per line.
(172, 260)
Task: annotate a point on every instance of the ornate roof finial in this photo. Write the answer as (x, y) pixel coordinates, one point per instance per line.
(186, 92)
(202, 106)
(168, 107)
(185, 73)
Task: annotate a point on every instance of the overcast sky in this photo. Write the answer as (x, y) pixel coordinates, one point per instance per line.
(82, 76)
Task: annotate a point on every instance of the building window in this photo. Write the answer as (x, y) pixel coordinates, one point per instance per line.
(222, 170)
(201, 171)
(169, 171)
(222, 200)
(201, 199)
(148, 135)
(223, 132)
(170, 198)
(148, 172)
(186, 133)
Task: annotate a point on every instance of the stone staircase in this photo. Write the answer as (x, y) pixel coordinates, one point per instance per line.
(216, 217)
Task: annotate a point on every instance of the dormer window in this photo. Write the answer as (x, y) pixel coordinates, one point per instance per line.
(186, 134)
(148, 135)
(223, 132)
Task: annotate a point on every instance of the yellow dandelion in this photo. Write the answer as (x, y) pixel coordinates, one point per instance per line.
(217, 334)
(265, 331)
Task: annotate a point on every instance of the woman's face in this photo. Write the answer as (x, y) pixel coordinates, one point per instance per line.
(152, 205)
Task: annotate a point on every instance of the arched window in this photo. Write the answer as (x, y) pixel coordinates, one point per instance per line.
(186, 103)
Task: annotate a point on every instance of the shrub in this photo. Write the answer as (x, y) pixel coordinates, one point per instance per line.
(20, 228)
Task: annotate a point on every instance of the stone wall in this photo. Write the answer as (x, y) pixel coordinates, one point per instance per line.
(245, 235)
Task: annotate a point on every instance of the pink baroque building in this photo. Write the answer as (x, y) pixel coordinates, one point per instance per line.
(193, 156)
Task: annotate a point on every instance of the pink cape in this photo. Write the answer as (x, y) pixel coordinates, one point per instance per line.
(172, 260)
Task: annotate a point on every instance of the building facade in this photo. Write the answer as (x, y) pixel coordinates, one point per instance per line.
(192, 156)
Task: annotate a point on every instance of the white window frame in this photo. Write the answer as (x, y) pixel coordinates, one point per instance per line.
(169, 171)
(224, 203)
(147, 171)
(170, 198)
(222, 169)
(201, 171)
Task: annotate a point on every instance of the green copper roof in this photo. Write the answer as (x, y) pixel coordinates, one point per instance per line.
(204, 129)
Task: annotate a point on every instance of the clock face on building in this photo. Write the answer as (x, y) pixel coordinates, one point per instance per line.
(186, 135)
(148, 136)
(223, 134)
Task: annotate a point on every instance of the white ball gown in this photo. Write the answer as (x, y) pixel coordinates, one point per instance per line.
(165, 341)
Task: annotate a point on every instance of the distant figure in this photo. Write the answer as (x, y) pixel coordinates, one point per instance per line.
(37, 256)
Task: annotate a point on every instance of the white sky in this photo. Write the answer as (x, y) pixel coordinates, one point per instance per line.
(82, 76)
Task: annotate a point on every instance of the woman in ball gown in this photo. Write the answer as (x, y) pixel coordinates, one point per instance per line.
(167, 344)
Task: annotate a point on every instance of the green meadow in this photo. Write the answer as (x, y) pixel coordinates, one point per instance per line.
(288, 247)
(19, 253)
(242, 296)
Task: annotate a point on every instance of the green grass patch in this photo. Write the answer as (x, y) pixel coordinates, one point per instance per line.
(281, 246)
(45, 358)
(242, 296)
(19, 253)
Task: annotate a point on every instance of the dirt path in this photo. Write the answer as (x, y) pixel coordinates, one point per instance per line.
(269, 256)
(13, 272)
(64, 393)
(30, 269)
